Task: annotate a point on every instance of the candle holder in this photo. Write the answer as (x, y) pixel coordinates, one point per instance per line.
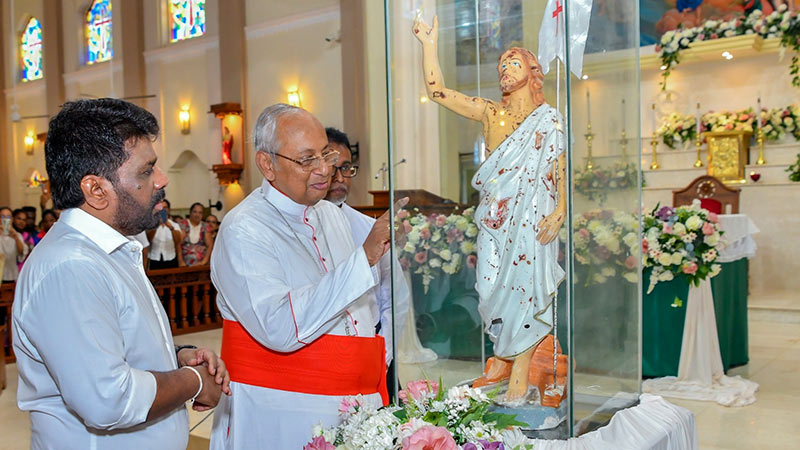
(589, 137)
(653, 145)
(760, 140)
(699, 145)
(624, 146)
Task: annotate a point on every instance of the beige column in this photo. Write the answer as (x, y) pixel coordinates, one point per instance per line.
(5, 148)
(354, 93)
(232, 54)
(53, 55)
(128, 15)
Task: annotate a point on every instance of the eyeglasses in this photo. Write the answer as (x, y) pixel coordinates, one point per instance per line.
(311, 163)
(347, 170)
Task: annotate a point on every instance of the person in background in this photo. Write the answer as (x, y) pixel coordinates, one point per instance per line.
(165, 241)
(197, 242)
(49, 218)
(20, 224)
(213, 226)
(12, 246)
(361, 224)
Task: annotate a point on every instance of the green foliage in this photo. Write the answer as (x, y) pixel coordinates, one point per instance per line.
(794, 170)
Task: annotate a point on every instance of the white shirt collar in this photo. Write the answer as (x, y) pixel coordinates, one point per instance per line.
(93, 228)
(281, 200)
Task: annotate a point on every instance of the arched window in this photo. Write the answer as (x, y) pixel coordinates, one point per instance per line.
(98, 32)
(187, 19)
(31, 51)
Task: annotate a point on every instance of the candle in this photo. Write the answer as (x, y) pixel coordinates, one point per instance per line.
(758, 112)
(654, 119)
(697, 119)
(588, 108)
(623, 114)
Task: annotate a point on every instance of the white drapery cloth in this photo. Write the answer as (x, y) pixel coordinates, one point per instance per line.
(738, 237)
(410, 349)
(653, 424)
(700, 372)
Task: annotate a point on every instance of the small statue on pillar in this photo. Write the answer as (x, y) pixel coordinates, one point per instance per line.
(227, 145)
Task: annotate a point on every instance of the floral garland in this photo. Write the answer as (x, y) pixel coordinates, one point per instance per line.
(437, 244)
(780, 23)
(429, 418)
(597, 181)
(607, 243)
(776, 122)
(794, 170)
(681, 240)
(728, 121)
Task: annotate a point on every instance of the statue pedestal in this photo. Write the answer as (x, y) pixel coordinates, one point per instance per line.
(532, 413)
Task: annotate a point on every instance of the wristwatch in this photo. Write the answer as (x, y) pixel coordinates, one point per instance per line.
(178, 349)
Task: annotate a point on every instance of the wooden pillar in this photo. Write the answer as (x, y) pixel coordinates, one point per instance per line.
(354, 93)
(130, 50)
(53, 55)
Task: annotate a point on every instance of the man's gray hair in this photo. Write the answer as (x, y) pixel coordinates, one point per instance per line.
(265, 135)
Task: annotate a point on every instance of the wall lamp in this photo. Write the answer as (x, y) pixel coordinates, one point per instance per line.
(294, 97)
(29, 140)
(185, 119)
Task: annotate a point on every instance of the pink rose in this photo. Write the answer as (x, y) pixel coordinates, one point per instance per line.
(701, 36)
(441, 220)
(645, 245)
(472, 261)
(667, 229)
(630, 262)
(690, 268)
(348, 405)
(430, 438)
(708, 228)
(584, 233)
(319, 443)
(713, 217)
(425, 233)
(714, 36)
(402, 214)
(417, 390)
(421, 257)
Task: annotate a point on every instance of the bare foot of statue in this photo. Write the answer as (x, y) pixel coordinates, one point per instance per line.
(518, 382)
(496, 370)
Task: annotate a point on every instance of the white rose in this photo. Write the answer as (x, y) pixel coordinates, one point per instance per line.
(631, 277)
(666, 276)
(435, 262)
(712, 239)
(665, 259)
(676, 259)
(684, 42)
(694, 223)
(446, 255)
(715, 269)
(679, 229)
(409, 247)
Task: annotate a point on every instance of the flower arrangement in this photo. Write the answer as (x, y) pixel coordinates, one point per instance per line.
(777, 122)
(781, 23)
(680, 240)
(430, 418)
(596, 182)
(728, 121)
(794, 170)
(437, 244)
(677, 128)
(607, 243)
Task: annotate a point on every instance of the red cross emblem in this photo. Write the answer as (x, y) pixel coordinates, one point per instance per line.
(557, 12)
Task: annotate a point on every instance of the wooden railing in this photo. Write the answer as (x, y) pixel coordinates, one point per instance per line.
(187, 294)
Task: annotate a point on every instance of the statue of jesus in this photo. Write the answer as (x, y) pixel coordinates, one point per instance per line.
(522, 206)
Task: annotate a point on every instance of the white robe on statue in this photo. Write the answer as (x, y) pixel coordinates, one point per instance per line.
(269, 283)
(517, 277)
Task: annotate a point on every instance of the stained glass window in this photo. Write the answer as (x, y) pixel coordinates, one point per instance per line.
(31, 49)
(98, 32)
(187, 19)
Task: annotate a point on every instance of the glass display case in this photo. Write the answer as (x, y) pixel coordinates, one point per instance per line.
(452, 243)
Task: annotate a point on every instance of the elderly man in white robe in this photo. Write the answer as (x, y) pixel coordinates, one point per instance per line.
(299, 332)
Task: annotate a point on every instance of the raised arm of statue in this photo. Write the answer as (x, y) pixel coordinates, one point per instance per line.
(551, 224)
(463, 105)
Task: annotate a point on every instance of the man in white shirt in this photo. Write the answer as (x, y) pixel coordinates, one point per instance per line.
(343, 173)
(165, 241)
(299, 331)
(97, 365)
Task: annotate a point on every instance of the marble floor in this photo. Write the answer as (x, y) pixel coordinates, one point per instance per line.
(772, 422)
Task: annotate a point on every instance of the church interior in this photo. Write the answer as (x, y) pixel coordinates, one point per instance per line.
(679, 129)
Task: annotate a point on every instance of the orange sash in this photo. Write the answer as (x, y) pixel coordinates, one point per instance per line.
(331, 365)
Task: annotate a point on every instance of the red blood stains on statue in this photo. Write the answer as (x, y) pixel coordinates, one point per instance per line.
(539, 139)
(522, 257)
(416, 30)
(439, 94)
(432, 82)
(502, 171)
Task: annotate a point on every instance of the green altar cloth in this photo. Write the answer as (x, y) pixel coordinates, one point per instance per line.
(664, 312)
